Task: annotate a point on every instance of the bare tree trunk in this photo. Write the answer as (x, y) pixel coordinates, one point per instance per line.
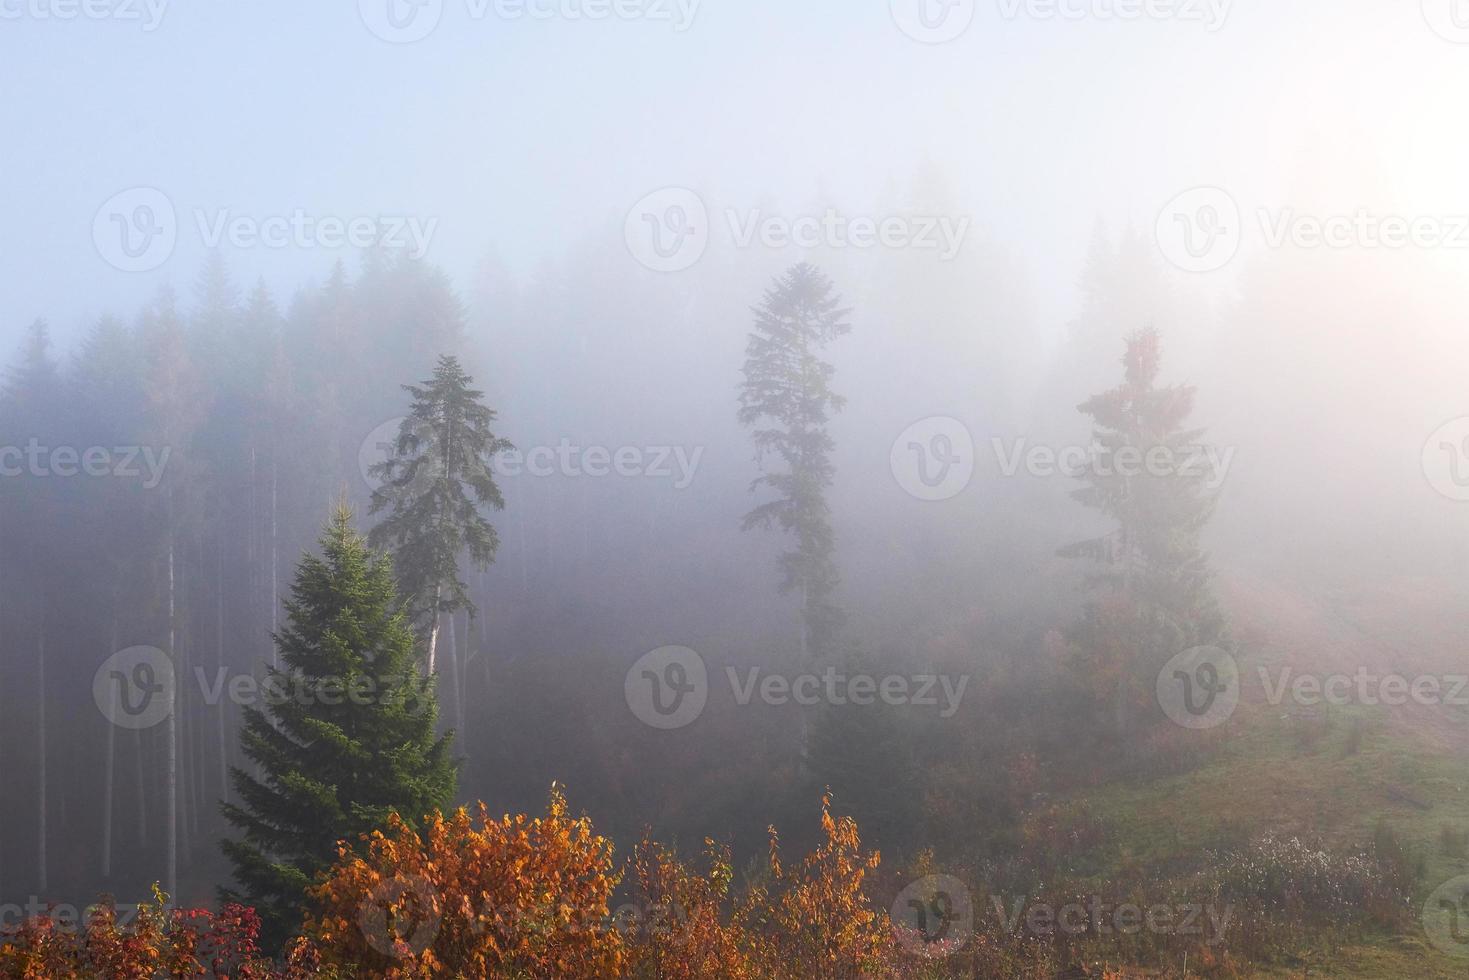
(454, 668)
(43, 878)
(520, 526)
(805, 623)
(109, 764)
(171, 767)
(141, 785)
(219, 709)
(275, 592)
(433, 630)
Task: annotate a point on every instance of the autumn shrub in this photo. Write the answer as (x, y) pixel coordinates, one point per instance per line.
(814, 919)
(472, 896)
(159, 942)
(685, 932)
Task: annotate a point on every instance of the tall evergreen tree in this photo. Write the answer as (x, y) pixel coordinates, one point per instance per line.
(786, 400)
(333, 764)
(1153, 577)
(435, 481)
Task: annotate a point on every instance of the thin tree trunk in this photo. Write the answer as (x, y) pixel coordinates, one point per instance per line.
(433, 630)
(171, 767)
(520, 526)
(454, 667)
(109, 764)
(275, 593)
(219, 709)
(43, 878)
(140, 785)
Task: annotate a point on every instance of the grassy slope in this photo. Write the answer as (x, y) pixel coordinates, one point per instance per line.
(1276, 769)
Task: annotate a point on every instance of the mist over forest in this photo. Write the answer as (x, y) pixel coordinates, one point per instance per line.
(909, 488)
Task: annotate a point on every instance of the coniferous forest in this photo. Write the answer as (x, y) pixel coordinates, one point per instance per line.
(678, 490)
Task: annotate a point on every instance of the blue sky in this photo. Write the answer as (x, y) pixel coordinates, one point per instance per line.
(520, 135)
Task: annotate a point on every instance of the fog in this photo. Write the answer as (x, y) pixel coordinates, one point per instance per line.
(236, 232)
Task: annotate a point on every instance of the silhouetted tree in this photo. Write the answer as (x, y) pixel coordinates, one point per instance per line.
(1147, 476)
(786, 400)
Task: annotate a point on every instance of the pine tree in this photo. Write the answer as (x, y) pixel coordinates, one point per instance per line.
(786, 399)
(334, 764)
(435, 481)
(1153, 576)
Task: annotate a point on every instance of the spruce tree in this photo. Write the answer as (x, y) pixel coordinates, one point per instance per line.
(435, 481)
(345, 734)
(1152, 578)
(786, 400)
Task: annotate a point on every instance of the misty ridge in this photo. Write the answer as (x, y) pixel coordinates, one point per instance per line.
(625, 488)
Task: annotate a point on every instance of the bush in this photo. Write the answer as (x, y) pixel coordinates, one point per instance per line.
(161, 942)
(472, 896)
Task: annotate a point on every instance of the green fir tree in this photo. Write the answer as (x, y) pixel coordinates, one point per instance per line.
(344, 735)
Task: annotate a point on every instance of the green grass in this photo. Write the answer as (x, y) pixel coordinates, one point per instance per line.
(1329, 785)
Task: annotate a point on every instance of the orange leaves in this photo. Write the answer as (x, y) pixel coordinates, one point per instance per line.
(160, 942)
(474, 896)
(523, 897)
(816, 919)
